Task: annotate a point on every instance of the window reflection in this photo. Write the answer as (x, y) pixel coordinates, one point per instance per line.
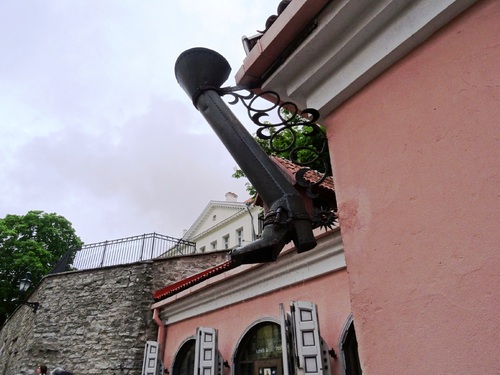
(260, 352)
(184, 360)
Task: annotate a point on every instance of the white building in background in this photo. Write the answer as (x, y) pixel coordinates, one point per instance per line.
(225, 225)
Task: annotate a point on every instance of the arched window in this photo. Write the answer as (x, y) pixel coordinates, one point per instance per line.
(260, 351)
(198, 354)
(184, 359)
(349, 347)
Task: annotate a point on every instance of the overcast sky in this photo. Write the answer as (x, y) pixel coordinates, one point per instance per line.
(93, 125)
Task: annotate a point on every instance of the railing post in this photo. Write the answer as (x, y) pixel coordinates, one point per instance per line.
(153, 245)
(104, 252)
(142, 247)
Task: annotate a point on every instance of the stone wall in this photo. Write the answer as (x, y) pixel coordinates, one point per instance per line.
(171, 270)
(93, 321)
(15, 340)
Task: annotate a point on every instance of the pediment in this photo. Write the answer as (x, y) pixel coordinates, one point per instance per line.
(214, 213)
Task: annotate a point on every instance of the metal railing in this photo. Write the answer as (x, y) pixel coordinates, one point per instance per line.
(123, 251)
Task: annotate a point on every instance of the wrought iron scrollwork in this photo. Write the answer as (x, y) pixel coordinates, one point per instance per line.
(280, 123)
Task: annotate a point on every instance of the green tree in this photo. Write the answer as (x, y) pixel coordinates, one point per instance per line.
(301, 144)
(30, 243)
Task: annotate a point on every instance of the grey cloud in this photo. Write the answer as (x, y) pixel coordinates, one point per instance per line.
(156, 170)
(93, 125)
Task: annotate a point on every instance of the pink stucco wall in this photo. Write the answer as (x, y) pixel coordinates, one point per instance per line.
(329, 292)
(416, 167)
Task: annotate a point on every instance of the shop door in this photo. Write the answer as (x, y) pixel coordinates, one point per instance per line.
(268, 367)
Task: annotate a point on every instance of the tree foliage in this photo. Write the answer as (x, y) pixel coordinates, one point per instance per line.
(301, 144)
(30, 243)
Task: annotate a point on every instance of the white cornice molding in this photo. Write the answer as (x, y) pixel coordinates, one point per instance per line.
(354, 42)
(207, 210)
(255, 280)
(219, 225)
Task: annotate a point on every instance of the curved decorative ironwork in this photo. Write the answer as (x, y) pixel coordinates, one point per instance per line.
(280, 123)
(200, 73)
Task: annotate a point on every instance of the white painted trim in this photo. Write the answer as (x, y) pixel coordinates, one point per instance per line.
(342, 337)
(290, 268)
(354, 42)
(178, 350)
(206, 213)
(219, 225)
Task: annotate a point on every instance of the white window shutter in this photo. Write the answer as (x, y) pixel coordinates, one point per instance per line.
(150, 361)
(220, 364)
(325, 357)
(286, 341)
(307, 340)
(205, 357)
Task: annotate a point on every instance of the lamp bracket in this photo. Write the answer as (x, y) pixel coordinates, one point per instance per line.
(280, 123)
(282, 137)
(332, 353)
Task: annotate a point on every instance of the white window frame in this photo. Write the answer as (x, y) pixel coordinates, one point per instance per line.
(150, 363)
(239, 236)
(225, 241)
(342, 339)
(244, 335)
(303, 348)
(206, 358)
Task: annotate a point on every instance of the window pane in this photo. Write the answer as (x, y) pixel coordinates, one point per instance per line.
(350, 348)
(265, 342)
(184, 361)
(246, 369)
(308, 338)
(311, 364)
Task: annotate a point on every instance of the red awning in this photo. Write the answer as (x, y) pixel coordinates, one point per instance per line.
(178, 286)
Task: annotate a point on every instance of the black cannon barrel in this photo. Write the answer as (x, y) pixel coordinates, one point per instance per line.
(201, 72)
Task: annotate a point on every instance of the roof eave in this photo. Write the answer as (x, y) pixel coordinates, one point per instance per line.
(352, 44)
(282, 33)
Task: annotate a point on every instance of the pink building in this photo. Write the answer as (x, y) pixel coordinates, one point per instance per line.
(243, 310)
(409, 93)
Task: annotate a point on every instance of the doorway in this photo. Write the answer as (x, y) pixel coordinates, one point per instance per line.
(260, 351)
